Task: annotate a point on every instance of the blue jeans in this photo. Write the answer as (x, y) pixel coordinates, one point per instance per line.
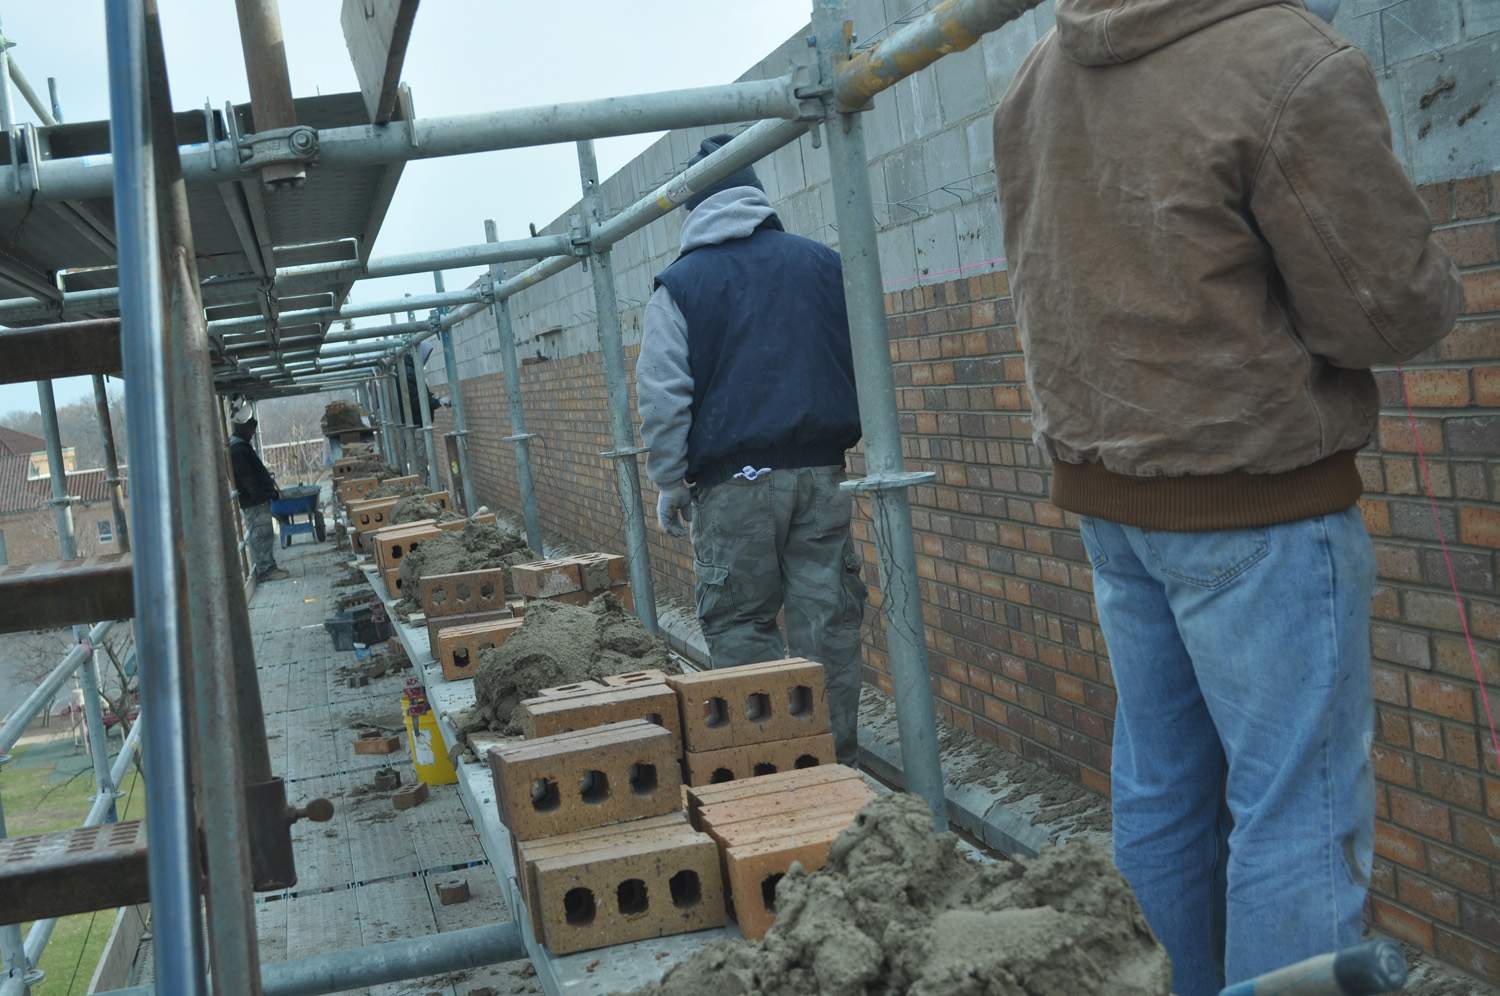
(1242, 790)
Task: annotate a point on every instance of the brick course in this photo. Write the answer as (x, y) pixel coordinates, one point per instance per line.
(1016, 653)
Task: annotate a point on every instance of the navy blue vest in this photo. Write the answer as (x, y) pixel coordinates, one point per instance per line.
(768, 349)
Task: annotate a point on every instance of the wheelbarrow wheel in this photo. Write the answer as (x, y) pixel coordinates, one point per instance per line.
(320, 528)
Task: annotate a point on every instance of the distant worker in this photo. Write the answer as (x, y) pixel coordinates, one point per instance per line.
(256, 487)
(1210, 243)
(746, 390)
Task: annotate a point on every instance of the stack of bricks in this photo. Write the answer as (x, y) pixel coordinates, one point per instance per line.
(466, 613)
(759, 719)
(604, 850)
(616, 698)
(577, 580)
(763, 825)
(395, 542)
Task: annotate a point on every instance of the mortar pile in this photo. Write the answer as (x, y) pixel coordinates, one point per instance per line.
(414, 508)
(900, 910)
(474, 548)
(342, 416)
(561, 644)
(395, 490)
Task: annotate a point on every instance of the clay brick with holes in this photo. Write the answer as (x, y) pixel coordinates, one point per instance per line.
(458, 647)
(835, 795)
(734, 763)
(654, 884)
(464, 592)
(811, 779)
(405, 481)
(620, 591)
(528, 853)
(396, 542)
(547, 578)
(576, 688)
(440, 623)
(392, 578)
(544, 717)
(651, 676)
(589, 778)
(369, 515)
(753, 704)
(353, 489)
(752, 872)
(599, 571)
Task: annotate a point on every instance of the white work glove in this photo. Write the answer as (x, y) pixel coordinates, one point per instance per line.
(674, 500)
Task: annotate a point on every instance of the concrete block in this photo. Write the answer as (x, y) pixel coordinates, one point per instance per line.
(1453, 136)
(920, 113)
(463, 592)
(546, 578)
(936, 241)
(977, 227)
(436, 625)
(457, 648)
(550, 715)
(740, 706)
(898, 253)
(1481, 17)
(659, 883)
(906, 183)
(961, 86)
(882, 125)
(752, 872)
(1418, 28)
(574, 781)
(1004, 50)
(945, 163)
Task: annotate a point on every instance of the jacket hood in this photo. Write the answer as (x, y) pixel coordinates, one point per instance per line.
(729, 214)
(1109, 32)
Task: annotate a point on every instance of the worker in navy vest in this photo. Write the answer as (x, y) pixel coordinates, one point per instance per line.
(746, 389)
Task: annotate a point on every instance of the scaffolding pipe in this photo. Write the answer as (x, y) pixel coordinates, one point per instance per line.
(371, 310)
(18, 975)
(425, 402)
(145, 345)
(390, 961)
(456, 399)
(519, 437)
(452, 135)
(111, 464)
(408, 429)
(43, 114)
(752, 144)
(886, 477)
(23, 714)
(621, 425)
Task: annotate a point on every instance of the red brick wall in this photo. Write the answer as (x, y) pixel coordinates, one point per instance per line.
(1016, 653)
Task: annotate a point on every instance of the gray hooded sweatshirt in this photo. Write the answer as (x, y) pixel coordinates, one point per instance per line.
(663, 379)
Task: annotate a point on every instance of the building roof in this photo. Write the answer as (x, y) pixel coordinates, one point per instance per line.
(18, 443)
(17, 494)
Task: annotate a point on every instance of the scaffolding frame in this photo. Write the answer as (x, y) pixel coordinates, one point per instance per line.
(205, 745)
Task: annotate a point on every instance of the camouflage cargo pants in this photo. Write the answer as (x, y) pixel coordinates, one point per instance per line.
(782, 542)
(262, 537)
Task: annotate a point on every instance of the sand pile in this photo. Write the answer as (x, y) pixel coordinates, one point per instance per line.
(415, 507)
(473, 548)
(395, 490)
(898, 909)
(559, 644)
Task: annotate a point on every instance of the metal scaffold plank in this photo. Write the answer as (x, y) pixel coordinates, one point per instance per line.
(72, 871)
(67, 349)
(65, 592)
(376, 33)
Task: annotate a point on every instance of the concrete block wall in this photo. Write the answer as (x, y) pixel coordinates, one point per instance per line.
(1016, 651)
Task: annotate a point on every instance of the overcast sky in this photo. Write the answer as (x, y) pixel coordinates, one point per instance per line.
(465, 56)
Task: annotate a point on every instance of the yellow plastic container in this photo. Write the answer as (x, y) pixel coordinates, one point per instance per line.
(429, 752)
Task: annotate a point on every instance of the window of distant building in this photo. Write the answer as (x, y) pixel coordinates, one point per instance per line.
(106, 531)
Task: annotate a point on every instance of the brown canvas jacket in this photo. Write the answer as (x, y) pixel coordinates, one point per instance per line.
(1210, 244)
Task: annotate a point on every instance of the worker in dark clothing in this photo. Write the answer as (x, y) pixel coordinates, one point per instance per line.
(746, 388)
(255, 487)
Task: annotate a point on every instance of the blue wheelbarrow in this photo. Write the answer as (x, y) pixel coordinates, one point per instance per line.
(294, 502)
(1363, 970)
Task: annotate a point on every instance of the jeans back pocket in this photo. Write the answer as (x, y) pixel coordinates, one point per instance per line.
(1208, 560)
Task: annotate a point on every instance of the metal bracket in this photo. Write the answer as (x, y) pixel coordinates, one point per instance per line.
(808, 92)
(297, 144)
(889, 482)
(625, 454)
(519, 437)
(579, 239)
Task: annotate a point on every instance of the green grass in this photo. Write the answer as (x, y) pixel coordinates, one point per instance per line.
(41, 793)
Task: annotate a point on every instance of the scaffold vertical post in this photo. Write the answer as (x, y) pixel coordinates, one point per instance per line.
(424, 400)
(621, 424)
(111, 465)
(456, 398)
(519, 437)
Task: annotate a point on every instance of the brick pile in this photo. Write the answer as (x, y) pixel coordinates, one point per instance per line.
(604, 849)
(759, 719)
(577, 580)
(762, 825)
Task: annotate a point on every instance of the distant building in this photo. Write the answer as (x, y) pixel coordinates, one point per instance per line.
(28, 525)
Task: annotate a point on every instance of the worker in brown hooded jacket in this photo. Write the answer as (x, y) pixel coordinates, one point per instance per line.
(1210, 244)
